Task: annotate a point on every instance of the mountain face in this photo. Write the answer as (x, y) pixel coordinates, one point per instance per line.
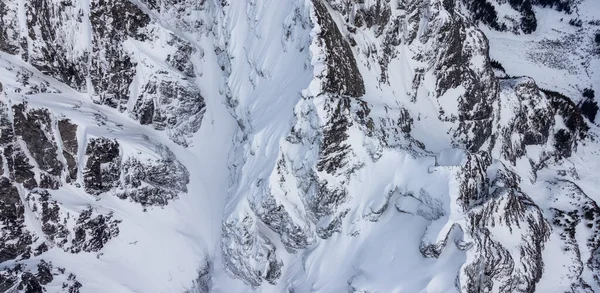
(299, 146)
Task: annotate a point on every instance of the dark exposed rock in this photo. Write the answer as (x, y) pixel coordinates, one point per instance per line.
(530, 121)
(484, 11)
(104, 65)
(243, 245)
(102, 170)
(335, 149)
(566, 140)
(171, 104)
(44, 272)
(34, 128)
(473, 192)
(18, 164)
(147, 181)
(53, 225)
(334, 226)
(454, 69)
(490, 196)
(181, 59)
(15, 240)
(27, 279)
(569, 111)
(29, 283)
(41, 249)
(73, 286)
(395, 127)
(376, 15)
(68, 134)
(434, 250)
(294, 235)
(93, 231)
(336, 157)
(563, 142)
(153, 182)
(343, 76)
(50, 52)
(494, 206)
(589, 108)
(112, 69)
(535, 128)
(391, 40)
(328, 198)
(9, 34)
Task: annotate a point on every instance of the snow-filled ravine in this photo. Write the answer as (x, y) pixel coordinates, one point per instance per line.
(299, 146)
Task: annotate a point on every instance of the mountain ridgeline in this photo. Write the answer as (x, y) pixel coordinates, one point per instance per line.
(365, 146)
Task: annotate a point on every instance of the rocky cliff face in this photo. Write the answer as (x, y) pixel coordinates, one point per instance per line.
(326, 145)
(43, 152)
(97, 49)
(335, 139)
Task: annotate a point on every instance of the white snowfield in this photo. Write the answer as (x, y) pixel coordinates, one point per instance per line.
(261, 66)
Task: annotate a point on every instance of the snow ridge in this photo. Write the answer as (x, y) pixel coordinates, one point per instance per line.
(295, 146)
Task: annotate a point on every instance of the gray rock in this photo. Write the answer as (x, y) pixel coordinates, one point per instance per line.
(248, 256)
(171, 104)
(153, 182)
(93, 231)
(493, 204)
(576, 217)
(34, 128)
(17, 162)
(203, 283)
(51, 219)
(50, 51)
(112, 68)
(68, 134)
(15, 239)
(31, 278)
(343, 76)
(9, 34)
(103, 167)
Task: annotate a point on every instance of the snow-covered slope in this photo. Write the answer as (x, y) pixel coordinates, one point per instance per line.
(297, 146)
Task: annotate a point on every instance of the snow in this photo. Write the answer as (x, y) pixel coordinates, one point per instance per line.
(450, 157)
(159, 250)
(559, 56)
(397, 202)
